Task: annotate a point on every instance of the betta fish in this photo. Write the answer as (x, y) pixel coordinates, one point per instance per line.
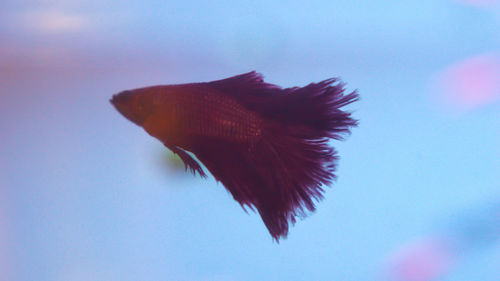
(267, 145)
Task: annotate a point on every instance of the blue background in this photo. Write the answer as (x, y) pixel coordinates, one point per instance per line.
(86, 195)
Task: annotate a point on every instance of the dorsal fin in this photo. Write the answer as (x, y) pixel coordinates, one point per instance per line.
(246, 87)
(245, 79)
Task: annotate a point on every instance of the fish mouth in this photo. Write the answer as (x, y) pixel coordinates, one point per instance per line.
(112, 100)
(126, 104)
(122, 102)
(121, 98)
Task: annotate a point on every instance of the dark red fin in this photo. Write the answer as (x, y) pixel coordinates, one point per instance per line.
(311, 112)
(189, 163)
(283, 172)
(281, 176)
(231, 163)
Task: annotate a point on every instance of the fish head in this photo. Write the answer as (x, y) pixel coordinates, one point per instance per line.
(135, 105)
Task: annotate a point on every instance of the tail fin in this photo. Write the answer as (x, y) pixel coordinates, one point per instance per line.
(282, 174)
(313, 111)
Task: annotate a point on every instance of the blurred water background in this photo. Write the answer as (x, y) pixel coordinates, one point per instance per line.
(86, 195)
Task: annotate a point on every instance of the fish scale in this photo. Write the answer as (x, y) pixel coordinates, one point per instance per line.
(209, 115)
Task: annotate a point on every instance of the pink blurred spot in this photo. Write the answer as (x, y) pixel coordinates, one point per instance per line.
(420, 261)
(471, 83)
(480, 3)
(55, 21)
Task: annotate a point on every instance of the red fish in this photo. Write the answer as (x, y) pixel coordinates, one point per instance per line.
(267, 145)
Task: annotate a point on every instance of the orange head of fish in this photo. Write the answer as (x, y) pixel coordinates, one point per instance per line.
(135, 105)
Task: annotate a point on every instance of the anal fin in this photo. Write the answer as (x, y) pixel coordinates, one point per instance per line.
(190, 164)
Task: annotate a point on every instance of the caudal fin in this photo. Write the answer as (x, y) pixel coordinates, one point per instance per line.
(311, 112)
(282, 174)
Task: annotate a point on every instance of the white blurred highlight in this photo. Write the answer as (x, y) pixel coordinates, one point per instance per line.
(53, 21)
(470, 83)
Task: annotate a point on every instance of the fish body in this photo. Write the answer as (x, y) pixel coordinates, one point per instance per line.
(194, 112)
(267, 145)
